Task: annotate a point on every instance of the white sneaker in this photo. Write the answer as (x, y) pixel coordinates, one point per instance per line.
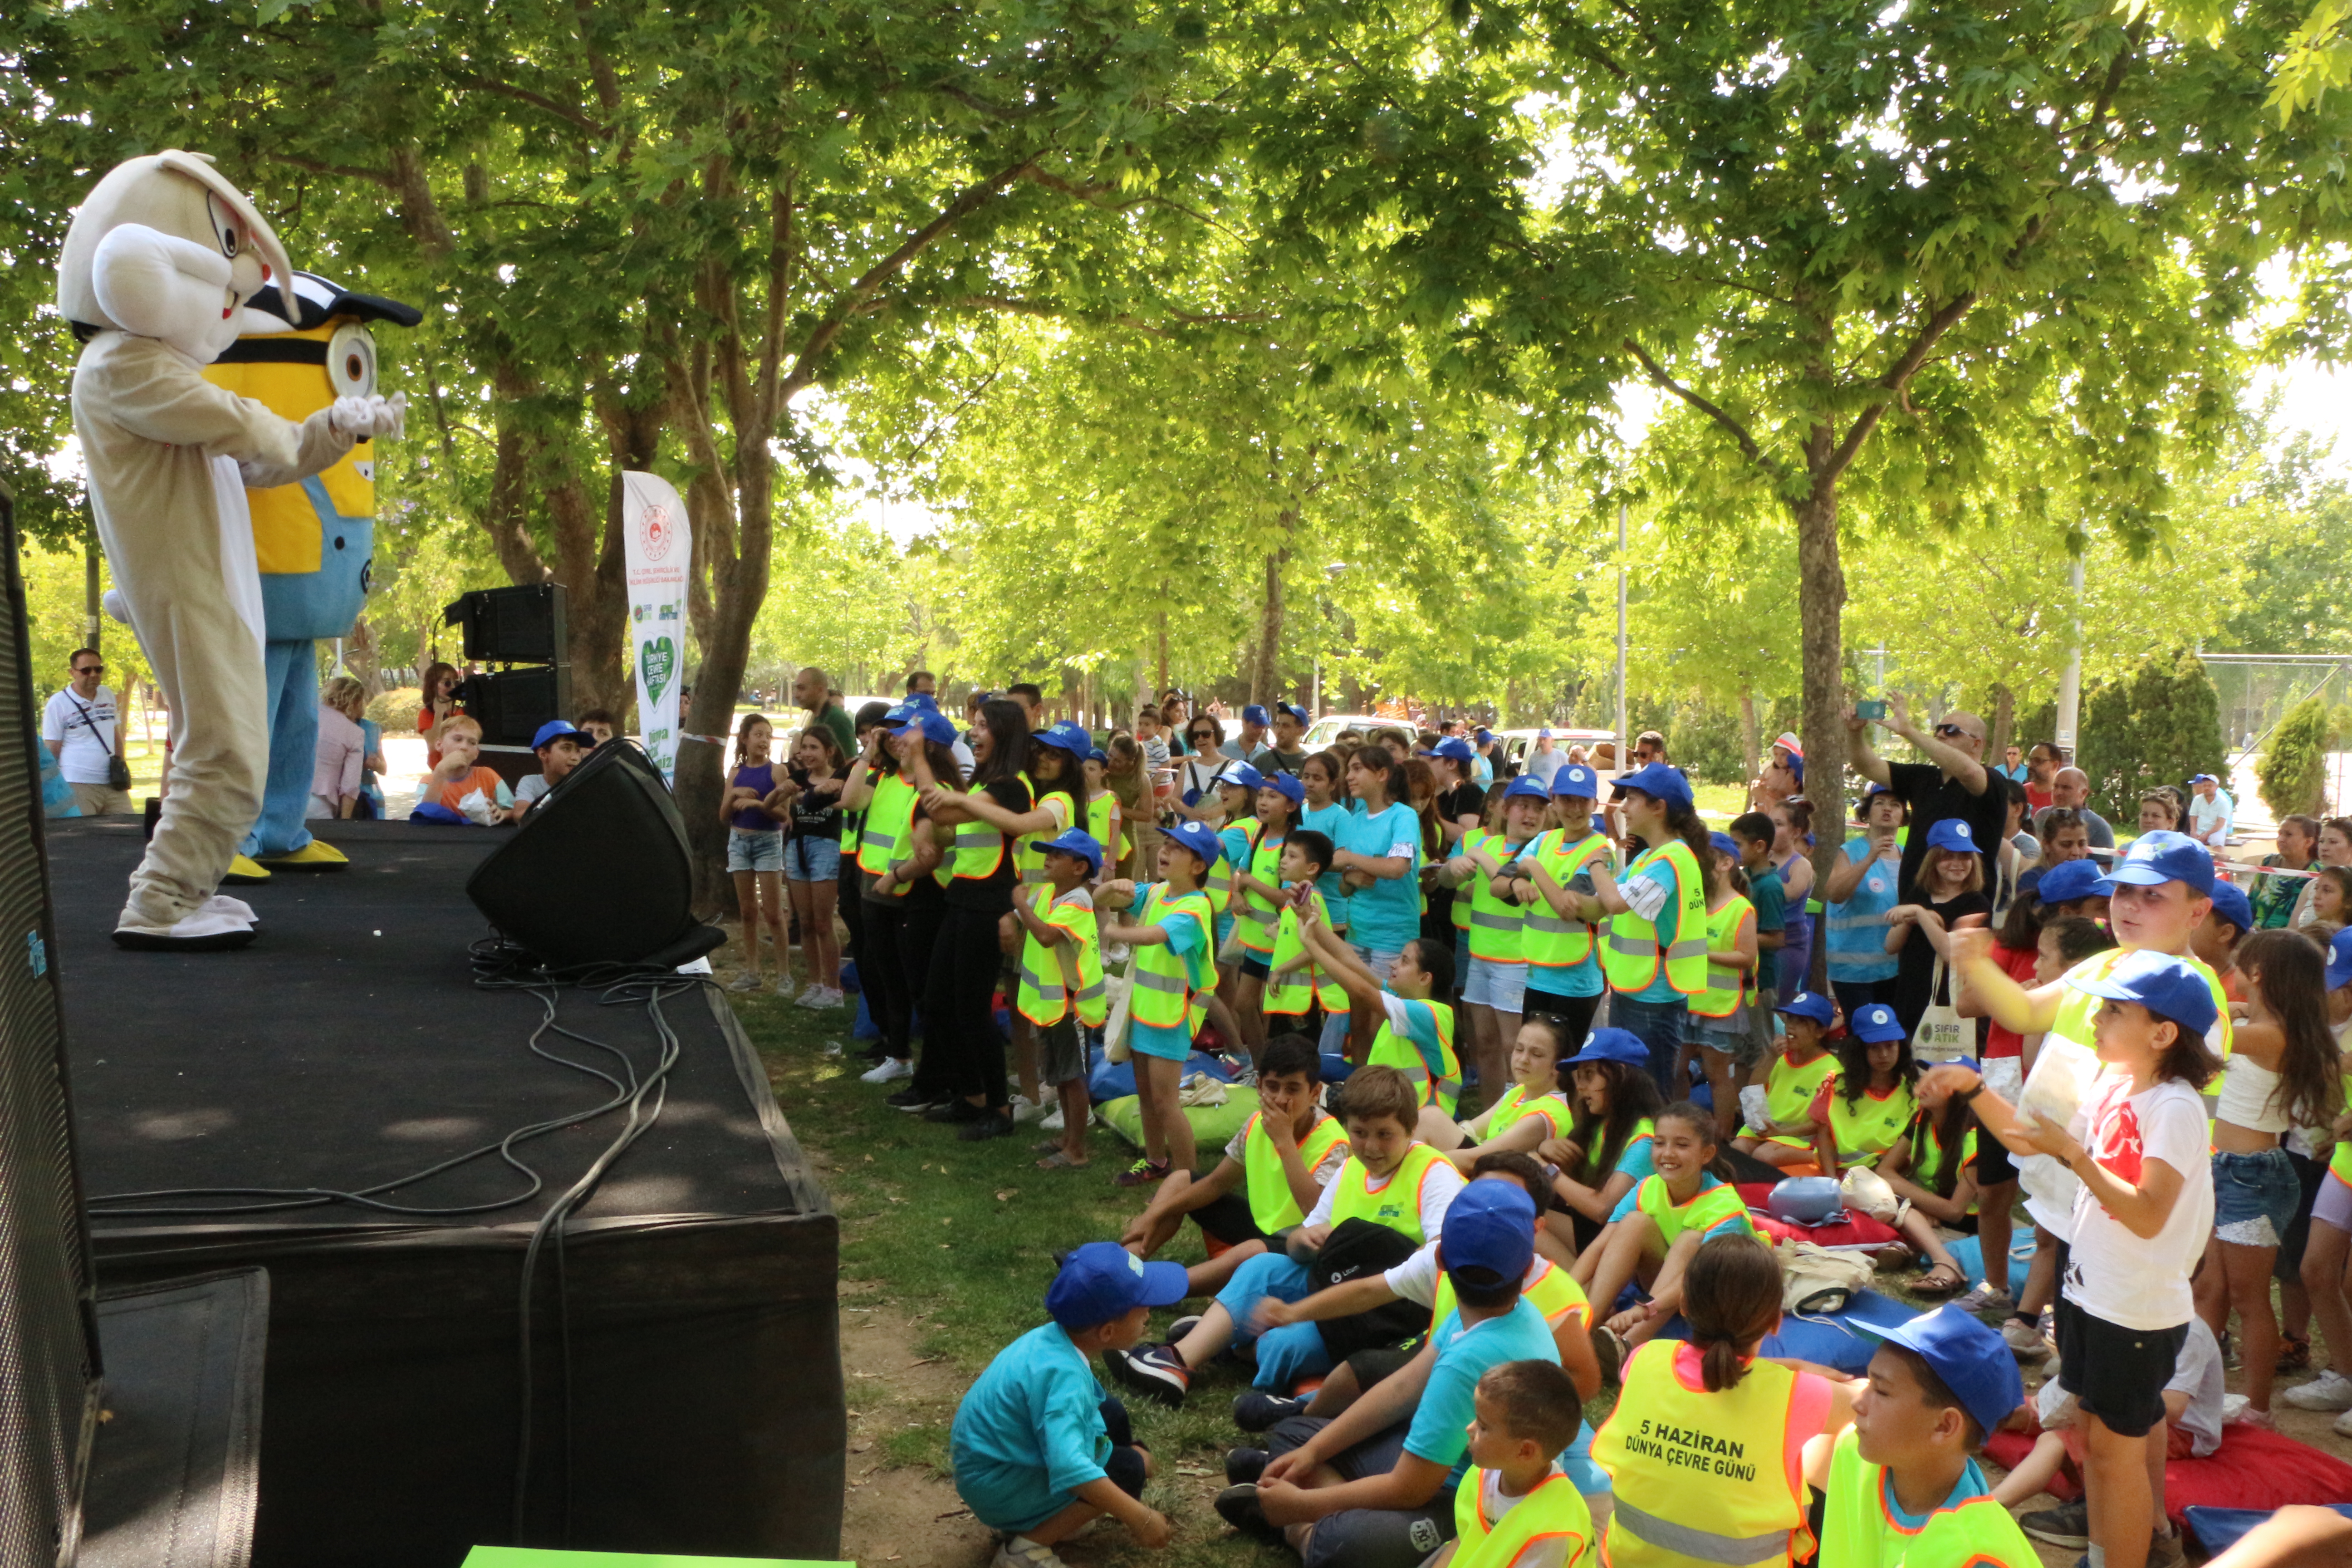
(2343, 1427)
(2331, 1390)
(832, 996)
(744, 983)
(1026, 1109)
(1052, 1121)
(890, 1072)
(1019, 1551)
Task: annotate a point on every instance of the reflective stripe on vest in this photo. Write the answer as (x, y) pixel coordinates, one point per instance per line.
(1496, 924)
(1443, 1090)
(1289, 995)
(979, 850)
(1632, 956)
(1165, 979)
(1551, 940)
(1398, 1203)
(1273, 1206)
(1789, 1093)
(1044, 993)
(1702, 1212)
(1677, 1453)
(1720, 1000)
(890, 838)
(1259, 918)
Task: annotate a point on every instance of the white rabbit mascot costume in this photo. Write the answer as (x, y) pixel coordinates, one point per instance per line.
(158, 261)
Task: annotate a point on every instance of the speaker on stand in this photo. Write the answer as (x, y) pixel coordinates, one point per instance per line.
(514, 627)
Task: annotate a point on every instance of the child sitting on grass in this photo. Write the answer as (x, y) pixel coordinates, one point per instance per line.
(1516, 1507)
(1273, 1173)
(1528, 1114)
(1779, 1129)
(1039, 1449)
(1657, 1228)
(460, 773)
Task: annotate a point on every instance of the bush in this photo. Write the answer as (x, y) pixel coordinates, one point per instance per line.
(2293, 769)
(396, 709)
(2159, 725)
(1705, 741)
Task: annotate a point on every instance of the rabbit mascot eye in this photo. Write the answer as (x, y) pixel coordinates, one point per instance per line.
(158, 263)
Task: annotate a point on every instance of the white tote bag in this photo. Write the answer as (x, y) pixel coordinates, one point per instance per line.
(1943, 1036)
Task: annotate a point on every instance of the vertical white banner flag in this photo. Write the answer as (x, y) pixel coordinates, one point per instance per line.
(657, 545)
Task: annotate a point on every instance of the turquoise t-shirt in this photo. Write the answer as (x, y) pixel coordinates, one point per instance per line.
(1235, 838)
(1327, 822)
(1030, 1432)
(1770, 897)
(1185, 937)
(1971, 1486)
(1385, 916)
(1730, 1225)
(1661, 871)
(1439, 1431)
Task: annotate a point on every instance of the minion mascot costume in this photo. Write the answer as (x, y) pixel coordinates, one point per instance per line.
(313, 540)
(156, 266)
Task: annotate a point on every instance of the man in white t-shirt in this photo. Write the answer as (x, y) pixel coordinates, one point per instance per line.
(78, 726)
(2210, 812)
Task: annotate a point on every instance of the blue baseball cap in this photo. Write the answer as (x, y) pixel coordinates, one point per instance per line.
(1103, 1280)
(1809, 1004)
(1454, 748)
(2203, 778)
(1612, 1046)
(1295, 711)
(1968, 1358)
(1576, 778)
(1659, 781)
(1065, 736)
(2339, 960)
(1097, 754)
(2164, 855)
(1724, 844)
(1875, 1023)
(2072, 880)
(1527, 786)
(934, 726)
(1484, 735)
(2159, 982)
(1077, 842)
(1288, 785)
(1256, 714)
(556, 730)
(922, 700)
(2229, 903)
(1201, 840)
(1489, 1225)
(1241, 775)
(1544, 733)
(1952, 834)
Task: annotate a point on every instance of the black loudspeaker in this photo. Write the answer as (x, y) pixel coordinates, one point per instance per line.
(511, 704)
(48, 1325)
(599, 872)
(512, 625)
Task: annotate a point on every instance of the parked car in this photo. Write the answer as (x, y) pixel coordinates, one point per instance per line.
(1326, 730)
(1512, 747)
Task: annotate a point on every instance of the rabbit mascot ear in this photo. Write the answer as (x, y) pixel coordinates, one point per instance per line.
(156, 269)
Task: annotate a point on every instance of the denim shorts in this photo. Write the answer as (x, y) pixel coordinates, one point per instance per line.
(749, 850)
(1502, 986)
(812, 859)
(2254, 1198)
(1739, 1043)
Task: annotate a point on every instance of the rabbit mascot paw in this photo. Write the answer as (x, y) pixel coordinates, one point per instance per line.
(159, 260)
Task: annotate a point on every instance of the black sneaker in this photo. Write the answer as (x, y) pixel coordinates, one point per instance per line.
(911, 1098)
(1238, 1506)
(1243, 1466)
(1182, 1326)
(1257, 1410)
(990, 1125)
(958, 1110)
(2068, 1524)
(1609, 1352)
(1156, 1371)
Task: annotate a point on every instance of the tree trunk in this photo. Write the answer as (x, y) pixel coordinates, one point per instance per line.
(92, 616)
(1163, 653)
(1751, 746)
(1263, 686)
(1821, 599)
(2004, 719)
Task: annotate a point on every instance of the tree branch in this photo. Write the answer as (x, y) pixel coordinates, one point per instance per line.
(373, 177)
(1747, 446)
(1892, 383)
(537, 100)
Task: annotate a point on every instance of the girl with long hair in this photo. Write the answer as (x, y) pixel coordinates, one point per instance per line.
(1655, 957)
(1613, 1106)
(755, 850)
(1792, 849)
(1378, 854)
(1656, 1229)
(1128, 772)
(1324, 776)
(812, 791)
(1859, 1114)
(1949, 889)
(439, 691)
(1258, 899)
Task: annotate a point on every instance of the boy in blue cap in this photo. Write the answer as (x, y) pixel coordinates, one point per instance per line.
(559, 746)
(1902, 1484)
(1175, 977)
(1040, 1450)
(1060, 983)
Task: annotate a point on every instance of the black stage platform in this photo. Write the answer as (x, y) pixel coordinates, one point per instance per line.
(699, 1407)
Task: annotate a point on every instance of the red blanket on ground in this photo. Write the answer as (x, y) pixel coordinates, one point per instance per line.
(1858, 1229)
(2252, 1468)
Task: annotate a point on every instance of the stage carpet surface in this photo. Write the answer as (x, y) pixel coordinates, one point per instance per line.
(686, 1390)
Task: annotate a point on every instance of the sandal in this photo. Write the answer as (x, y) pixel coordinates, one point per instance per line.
(2294, 1354)
(1940, 1281)
(1059, 1159)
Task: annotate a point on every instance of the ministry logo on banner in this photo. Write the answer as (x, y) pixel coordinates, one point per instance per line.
(655, 548)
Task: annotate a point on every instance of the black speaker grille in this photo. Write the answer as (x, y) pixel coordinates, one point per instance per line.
(48, 1347)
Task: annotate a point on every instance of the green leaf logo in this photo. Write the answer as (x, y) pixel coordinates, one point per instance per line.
(657, 663)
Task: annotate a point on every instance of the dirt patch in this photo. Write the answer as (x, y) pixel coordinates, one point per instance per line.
(894, 1510)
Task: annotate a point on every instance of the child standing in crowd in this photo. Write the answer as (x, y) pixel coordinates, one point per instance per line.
(2142, 1213)
(1259, 899)
(813, 861)
(1720, 1033)
(1655, 957)
(1551, 875)
(1040, 1450)
(1780, 1129)
(1792, 850)
(1295, 984)
(1496, 985)
(1105, 812)
(1950, 889)
(1752, 835)
(1061, 982)
(2327, 1250)
(1378, 854)
(755, 851)
(1175, 966)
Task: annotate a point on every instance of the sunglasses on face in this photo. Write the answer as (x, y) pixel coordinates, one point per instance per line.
(90, 669)
(1950, 730)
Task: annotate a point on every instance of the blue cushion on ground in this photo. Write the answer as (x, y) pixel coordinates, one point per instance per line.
(1842, 1340)
(1107, 1080)
(1969, 1255)
(2218, 1529)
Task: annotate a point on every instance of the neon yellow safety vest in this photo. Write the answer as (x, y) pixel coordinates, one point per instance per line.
(1552, 1289)
(1256, 916)
(1289, 996)
(1398, 1203)
(1869, 1127)
(1054, 978)
(1164, 979)
(1701, 1476)
(1516, 1104)
(2340, 1164)
(1443, 1089)
(1460, 912)
(979, 850)
(888, 840)
(1098, 825)
(1634, 948)
(1859, 1529)
(1029, 849)
(1726, 988)
(1495, 923)
(1789, 1095)
(1709, 1207)
(1554, 942)
(1554, 1511)
(1928, 1153)
(1271, 1205)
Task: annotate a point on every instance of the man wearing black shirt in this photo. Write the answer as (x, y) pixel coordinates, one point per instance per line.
(1953, 783)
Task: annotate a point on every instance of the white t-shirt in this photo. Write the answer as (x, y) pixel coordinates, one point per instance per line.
(1415, 1280)
(2207, 816)
(531, 786)
(70, 718)
(1437, 1193)
(2196, 1373)
(2131, 1282)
